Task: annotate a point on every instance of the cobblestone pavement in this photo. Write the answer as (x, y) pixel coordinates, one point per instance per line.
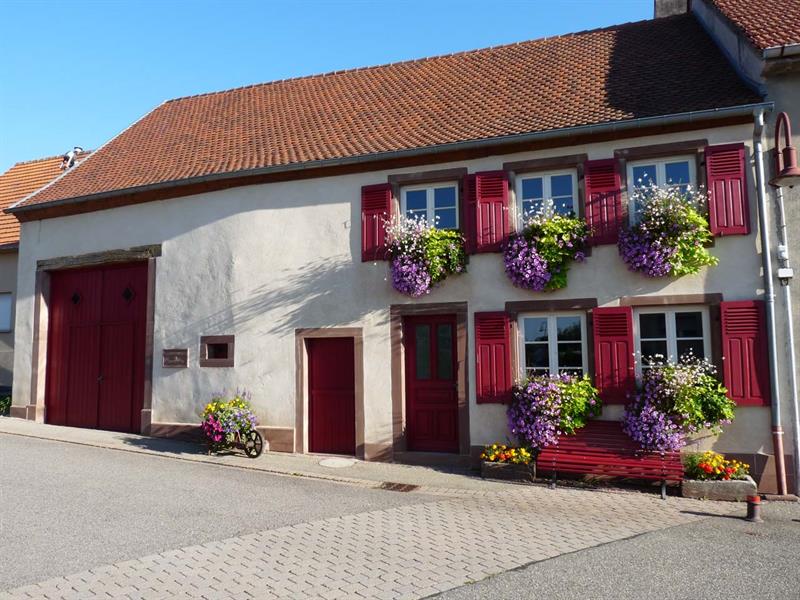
(409, 551)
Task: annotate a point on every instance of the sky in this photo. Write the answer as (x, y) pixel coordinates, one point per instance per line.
(77, 72)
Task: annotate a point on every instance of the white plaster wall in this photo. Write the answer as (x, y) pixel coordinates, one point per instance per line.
(8, 283)
(260, 261)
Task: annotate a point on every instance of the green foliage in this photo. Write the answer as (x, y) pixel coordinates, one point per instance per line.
(692, 244)
(699, 398)
(558, 239)
(444, 253)
(579, 401)
(5, 405)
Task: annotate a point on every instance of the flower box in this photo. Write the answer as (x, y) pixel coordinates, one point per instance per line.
(508, 471)
(731, 490)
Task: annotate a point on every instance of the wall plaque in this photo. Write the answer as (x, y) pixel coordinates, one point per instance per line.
(176, 358)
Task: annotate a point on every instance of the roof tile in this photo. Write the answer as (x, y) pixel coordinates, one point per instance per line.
(766, 23)
(16, 183)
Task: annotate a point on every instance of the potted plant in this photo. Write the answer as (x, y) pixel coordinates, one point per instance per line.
(674, 401)
(538, 257)
(547, 406)
(711, 476)
(671, 235)
(500, 461)
(422, 255)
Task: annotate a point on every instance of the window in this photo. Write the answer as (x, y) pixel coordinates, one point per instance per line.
(216, 350)
(553, 344)
(673, 172)
(436, 203)
(671, 333)
(546, 191)
(6, 306)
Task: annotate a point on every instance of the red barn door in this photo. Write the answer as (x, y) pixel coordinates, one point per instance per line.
(95, 353)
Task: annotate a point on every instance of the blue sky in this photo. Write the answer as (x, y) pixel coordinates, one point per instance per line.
(77, 73)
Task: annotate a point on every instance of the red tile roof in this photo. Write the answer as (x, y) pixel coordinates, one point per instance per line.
(766, 23)
(16, 183)
(642, 69)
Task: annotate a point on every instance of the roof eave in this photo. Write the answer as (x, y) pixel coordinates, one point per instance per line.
(781, 51)
(597, 128)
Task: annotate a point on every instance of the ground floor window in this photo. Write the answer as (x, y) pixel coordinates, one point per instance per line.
(553, 343)
(671, 333)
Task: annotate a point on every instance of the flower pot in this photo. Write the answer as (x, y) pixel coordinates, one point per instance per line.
(508, 471)
(732, 490)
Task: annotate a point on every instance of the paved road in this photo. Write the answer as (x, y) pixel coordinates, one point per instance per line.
(81, 522)
(717, 558)
(65, 508)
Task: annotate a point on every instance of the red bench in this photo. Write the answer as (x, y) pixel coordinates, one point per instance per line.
(603, 448)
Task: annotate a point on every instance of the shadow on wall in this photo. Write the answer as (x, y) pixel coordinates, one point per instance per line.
(323, 293)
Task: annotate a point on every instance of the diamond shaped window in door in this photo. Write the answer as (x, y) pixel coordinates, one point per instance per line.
(128, 294)
(75, 298)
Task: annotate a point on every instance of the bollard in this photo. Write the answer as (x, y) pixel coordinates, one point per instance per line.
(754, 509)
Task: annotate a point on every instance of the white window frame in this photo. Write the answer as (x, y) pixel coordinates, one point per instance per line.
(10, 328)
(552, 340)
(661, 170)
(546, 177)
(429, 199)
(672, 340)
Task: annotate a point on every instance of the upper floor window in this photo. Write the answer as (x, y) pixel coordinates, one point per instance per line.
(678, 172)
(553, 344)
(6, 306)
(667, 334)
(545, 191)
(437, 203)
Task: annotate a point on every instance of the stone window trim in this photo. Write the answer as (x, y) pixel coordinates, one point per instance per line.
(207, 340)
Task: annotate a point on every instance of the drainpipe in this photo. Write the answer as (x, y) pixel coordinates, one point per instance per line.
(786, 268)
(769, 293)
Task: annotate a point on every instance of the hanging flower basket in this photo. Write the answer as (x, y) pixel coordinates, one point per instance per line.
(422, 256)
(539, 256)
(671, 235)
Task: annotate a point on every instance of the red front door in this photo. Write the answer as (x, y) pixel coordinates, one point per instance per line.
(95, 351)
(431, 389)
(331, 395)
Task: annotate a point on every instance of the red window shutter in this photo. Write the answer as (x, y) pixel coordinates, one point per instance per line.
(745, 366)
(493, 357)
(376, 207)
(603, 209)
(491, 214)
(469, 212)
(614, 374)
(728, 206)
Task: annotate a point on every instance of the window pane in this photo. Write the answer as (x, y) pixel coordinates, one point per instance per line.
(652, 326)
(652, 349)
(444, 351)
(537, 356)
(444, 197)
(569, 328)
(445, 218)
(416, 203)
(532, 207)
(563, 206)
(532, 189)
(569, 355)
(535, 330)
(694, 347)
(5, 312)
(644, 175)
(677, 172)
(422, 333)
(561, 185)
(689, 324)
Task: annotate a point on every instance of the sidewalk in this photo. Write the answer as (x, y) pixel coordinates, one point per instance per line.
(427, 480)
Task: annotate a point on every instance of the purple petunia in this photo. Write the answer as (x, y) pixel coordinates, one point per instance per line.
(645, 252)
(524, 266)
(410, 277)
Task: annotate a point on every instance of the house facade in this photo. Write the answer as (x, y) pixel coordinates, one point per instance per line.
(233, 241)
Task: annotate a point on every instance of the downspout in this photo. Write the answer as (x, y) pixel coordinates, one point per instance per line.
(783, 261)
(769, 294)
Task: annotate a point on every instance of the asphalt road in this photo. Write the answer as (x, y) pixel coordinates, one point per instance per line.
(65, 508)
(717, 558)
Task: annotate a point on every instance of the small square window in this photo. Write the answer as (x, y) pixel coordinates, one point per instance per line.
(545, 192)
(437, 203)
(675, 172)
(216, 351)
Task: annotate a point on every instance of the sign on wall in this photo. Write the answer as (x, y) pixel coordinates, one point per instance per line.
(176, 358)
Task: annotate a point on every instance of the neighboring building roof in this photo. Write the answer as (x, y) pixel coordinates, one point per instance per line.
(19, 181)
(649, 68)
(766, 23)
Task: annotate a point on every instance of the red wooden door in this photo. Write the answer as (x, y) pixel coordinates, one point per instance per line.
(95, 356)
(431, 388)
(331, 395)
